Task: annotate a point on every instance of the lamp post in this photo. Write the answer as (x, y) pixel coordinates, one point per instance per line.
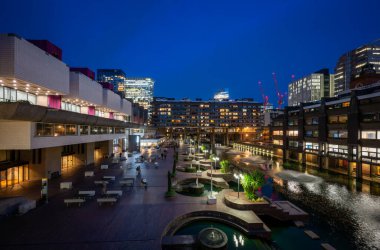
(215, 158)
(238, 177)
(205, 151)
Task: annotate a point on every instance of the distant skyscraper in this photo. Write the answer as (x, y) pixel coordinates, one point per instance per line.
(349, 64)
(310, 88)
(114, 76)
(140, 90)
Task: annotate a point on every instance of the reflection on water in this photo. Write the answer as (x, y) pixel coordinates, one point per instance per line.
(355, 214)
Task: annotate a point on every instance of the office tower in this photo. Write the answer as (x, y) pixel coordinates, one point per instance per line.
(114, 76)
(310, 88)
(350, 64)
(140, 90)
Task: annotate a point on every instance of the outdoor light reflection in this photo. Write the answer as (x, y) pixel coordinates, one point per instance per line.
(238, 240)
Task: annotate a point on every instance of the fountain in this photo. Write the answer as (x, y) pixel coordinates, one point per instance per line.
(212, 238)
(196, 188)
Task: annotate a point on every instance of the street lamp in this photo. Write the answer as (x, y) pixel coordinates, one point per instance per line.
(205, 151)
(215, 158)
(238, 177)
(211, 199)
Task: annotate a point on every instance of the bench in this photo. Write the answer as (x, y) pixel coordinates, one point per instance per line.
(106, 200)
(74, 200)
(88, 173)
(114, 193)
(66, 185)
(127, 182)
(311, 234)
(101, 182)
(108, 177)
(327, 246)
(86, 193)
(103, 166)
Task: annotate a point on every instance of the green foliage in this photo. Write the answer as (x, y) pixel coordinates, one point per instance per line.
(290, 165)
(212, 156)
(169, 181)
(190, 170)
(170, 192)
(252, 182)
(174, 168)
(203, 148)
(225, 166)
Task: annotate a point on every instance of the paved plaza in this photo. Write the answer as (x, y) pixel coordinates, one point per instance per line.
(135, 221)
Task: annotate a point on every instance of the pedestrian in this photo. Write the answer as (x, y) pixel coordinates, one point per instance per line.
(104, 189)
(162, 155)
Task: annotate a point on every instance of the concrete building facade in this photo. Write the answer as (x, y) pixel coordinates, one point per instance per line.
(53, 118)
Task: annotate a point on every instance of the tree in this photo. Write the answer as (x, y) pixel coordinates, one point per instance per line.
(170, 191)
(225, 166)
(251, 182)
(174, 167)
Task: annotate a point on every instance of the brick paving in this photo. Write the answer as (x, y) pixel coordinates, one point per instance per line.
(136, 221)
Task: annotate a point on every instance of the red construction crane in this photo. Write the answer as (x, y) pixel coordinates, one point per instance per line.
(280, 96)
(265, 97)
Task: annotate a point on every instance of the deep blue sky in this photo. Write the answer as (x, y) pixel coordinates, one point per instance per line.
(194, 48)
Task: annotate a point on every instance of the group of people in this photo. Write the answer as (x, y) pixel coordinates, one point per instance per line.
(164, 153)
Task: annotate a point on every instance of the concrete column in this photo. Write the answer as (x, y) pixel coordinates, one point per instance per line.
(359, 171)
(89, 156)
(109, 147)
(51, 161)
(227, 137)
(213, 141)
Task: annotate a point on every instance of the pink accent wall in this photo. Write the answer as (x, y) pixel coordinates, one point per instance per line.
(91, 110)
(111, 115)
(54, 101)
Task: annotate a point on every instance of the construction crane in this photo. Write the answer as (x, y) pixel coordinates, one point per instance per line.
(280, 95)
(265, 97)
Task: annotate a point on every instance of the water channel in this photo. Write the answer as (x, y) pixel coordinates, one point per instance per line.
(343, 211)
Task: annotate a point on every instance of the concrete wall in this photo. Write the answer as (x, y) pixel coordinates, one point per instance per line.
(51, 159)
(126, 107)
(84, 88)
(111, 100)
(27, 62)
(15, 135)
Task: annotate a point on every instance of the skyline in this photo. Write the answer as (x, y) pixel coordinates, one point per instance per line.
(207, 46)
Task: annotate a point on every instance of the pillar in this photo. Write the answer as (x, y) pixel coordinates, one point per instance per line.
(89, 156)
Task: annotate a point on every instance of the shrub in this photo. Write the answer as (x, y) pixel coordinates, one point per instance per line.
(252, 182)
(225, 166)
(170, 191)
(190, 170)
(290, 165)
(174, 168)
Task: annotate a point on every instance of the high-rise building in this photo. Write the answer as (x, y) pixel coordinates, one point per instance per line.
(114, 76)
(140, 90)
(350, 64)
(310, 88)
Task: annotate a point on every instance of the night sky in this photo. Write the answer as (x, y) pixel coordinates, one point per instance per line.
(194, 48)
